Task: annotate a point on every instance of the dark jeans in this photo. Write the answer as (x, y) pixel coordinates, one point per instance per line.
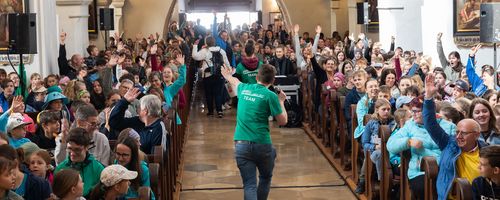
(214, 87)
(250, 157)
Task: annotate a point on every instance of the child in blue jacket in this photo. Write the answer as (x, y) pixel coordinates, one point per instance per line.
(370, 138)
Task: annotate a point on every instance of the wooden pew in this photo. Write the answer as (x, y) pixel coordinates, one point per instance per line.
(404, 187)
(370, 184)
(388, 178)
(430, 166)
(324, 118)
(355, 145)
(154, 177)
(462, 189)
(333, 108)
(344, 156)
(305, 96)
(144, 193)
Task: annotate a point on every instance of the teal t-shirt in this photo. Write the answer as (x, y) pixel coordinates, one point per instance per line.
(246, 75)
(255, 104)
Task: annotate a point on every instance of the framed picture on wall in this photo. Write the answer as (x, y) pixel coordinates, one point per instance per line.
(7, 7)
(466, 16)
(93, 17)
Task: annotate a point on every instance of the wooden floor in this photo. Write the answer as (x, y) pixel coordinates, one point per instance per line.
(210, 171)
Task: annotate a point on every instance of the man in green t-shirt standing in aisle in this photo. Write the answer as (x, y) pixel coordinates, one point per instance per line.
(252, 139)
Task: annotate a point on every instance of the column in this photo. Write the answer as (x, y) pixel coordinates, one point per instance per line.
(402, 19)
(118, 6)
(334, 5)
(45, 62)
(73, 19)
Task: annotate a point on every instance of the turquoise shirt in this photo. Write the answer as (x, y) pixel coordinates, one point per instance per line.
(17, 143)
(361, 111)
(145, 181)
(170, 91)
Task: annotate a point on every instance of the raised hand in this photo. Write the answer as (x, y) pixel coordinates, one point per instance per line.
(121, 59)
(318, 29)
(439, 36)
(62, 37)
(180, 59)
(393, 39)
(153, 49)
(226, 71)
(117, 36)
(138, 36)
(120, 46)
(296, 29)
(113, 60)
(430, 86)
(475, 49)
(17, 104)
(362, 36)
(132, 94)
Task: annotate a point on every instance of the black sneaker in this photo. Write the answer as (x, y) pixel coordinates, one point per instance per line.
(360, 188)
(220, 114)
(210, 114)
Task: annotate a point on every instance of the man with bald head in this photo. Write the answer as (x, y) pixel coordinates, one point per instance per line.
(459, 153)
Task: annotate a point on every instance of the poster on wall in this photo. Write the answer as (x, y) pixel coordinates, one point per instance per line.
(7, 7)
(93, 17)
(466, 16)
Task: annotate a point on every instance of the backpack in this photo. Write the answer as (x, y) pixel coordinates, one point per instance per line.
(294, 113)
(217, 62)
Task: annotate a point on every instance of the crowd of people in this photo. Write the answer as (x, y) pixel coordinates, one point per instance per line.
(55, 141)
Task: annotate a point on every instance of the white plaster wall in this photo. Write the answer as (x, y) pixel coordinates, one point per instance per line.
(402, 19)
(146, 16)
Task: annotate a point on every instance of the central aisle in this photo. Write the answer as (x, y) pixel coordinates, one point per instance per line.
(210, 171)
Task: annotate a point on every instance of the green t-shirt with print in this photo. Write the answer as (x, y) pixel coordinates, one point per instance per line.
(247, 76)
(255, 104)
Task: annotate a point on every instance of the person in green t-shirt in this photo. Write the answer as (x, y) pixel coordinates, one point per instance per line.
(253, 147)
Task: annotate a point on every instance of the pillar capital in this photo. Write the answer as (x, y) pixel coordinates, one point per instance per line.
(103, 3)
(73, 2)
(118, 3)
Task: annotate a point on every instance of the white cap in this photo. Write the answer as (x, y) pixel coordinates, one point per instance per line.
(113, 174)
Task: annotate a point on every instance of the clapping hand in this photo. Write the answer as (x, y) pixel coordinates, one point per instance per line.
(417, 144)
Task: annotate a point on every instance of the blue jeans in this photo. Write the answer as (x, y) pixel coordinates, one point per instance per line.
(250, 157)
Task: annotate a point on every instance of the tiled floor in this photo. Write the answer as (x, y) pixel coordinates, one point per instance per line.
(210, 171)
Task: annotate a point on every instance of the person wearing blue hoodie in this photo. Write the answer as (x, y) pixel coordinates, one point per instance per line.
(414, 137)
(477, 84)
(460, 153)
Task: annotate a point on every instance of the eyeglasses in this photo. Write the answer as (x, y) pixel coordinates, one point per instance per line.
(463, 133)
(123, 155)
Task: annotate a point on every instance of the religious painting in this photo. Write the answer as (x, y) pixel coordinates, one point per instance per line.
(93, 17)
(466, 16)
(7, 7)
